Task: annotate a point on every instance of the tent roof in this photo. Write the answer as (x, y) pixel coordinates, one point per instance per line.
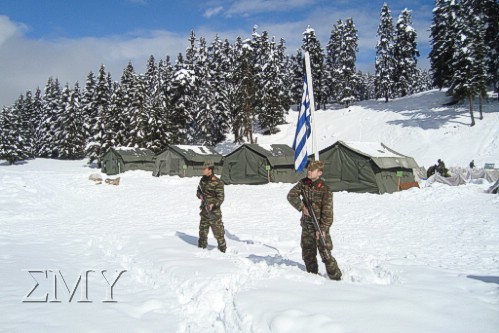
(380, 154)
(276, 154)
(197, 153)
(129, 154)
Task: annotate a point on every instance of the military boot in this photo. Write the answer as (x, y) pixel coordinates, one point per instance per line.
(333, 271)
(312, 267)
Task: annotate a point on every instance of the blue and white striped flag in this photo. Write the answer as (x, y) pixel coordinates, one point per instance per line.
(303, 130)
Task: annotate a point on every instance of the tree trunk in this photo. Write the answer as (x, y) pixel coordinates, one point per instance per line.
(471, 111)
(250, 135)
(480, 106)
(237, 135)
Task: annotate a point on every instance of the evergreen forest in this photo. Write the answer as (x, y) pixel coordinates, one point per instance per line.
(226, 90)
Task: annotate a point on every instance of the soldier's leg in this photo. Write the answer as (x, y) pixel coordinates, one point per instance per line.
(204, 227)
(219, 232)
(332, 269)
(309, 250)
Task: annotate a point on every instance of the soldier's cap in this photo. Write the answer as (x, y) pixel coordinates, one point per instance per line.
(314, 165)
(208, 164)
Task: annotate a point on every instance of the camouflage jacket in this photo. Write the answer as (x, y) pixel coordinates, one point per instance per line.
(321, 197)
(213, 189)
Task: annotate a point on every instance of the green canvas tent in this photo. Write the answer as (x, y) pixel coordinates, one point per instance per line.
(369, 167)
(260, 164)
(185, 161)
(121, 159)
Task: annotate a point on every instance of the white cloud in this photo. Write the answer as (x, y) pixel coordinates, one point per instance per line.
(9, 29)
(247, 7)
(138, 2)
(213, 11)
(26, 64)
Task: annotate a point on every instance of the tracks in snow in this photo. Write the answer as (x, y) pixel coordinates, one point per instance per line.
(203, 285)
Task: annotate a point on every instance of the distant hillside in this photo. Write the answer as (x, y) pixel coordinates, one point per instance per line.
(420, 126)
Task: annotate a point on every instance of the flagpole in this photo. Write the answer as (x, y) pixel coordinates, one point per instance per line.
(312, 104)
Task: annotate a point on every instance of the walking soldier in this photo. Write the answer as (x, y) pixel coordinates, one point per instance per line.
(211, 192)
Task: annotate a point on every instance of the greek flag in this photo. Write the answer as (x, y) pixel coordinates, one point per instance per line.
(303, 130)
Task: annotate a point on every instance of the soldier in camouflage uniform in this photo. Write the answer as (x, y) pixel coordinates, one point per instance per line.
(211, 193)
(321, 199)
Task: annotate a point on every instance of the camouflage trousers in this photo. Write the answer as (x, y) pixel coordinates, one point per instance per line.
(217, 227)
(309, 247)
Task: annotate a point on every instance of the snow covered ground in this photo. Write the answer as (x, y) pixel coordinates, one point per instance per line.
(421, 260)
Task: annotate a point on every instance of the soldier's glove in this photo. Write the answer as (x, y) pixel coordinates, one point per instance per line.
(305, 211)
(210, 206)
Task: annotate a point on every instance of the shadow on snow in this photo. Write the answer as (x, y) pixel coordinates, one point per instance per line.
(276, 260)
(431, 112)
(191, 239)
(486, 279)
(234, 237)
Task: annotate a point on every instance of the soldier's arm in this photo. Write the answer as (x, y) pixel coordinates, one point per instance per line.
(327, 210)
(219, 196)
(294, 197)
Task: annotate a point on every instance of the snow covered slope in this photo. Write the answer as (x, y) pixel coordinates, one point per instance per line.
(419, 126)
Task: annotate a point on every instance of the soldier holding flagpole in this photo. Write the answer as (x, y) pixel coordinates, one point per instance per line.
(317, 214)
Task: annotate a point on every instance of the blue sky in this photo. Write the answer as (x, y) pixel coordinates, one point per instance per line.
(67, 38)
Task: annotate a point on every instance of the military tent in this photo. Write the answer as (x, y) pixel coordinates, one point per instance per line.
(365, 167)
(494, 189)
(490, 175)
(185, 161)
(453, 180)
(260, 164)
(121, 159)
